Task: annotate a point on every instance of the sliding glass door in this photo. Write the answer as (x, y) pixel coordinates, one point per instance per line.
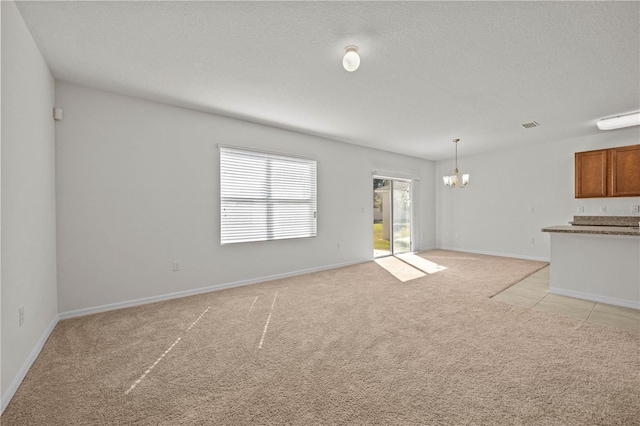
(391, 216)
(401, 214)
(381, 217)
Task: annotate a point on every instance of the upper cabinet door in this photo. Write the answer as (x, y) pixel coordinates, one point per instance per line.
(625, 171)
(591, 173)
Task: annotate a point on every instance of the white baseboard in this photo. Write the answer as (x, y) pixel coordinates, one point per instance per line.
(17, 380)
(152, 299)
(595, 298)
(490, 253)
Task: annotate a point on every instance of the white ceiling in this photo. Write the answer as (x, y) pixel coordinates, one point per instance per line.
(430, 71)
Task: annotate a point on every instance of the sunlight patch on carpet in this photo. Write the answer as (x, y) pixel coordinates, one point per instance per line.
(421, 263)
(399, 269)
(254, 302)
(137, 382)
(266, 325)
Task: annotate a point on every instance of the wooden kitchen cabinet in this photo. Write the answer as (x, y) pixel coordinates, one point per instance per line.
(591, 173)
(613, 172)
(625, 171)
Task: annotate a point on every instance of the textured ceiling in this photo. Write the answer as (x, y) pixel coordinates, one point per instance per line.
(430, 71)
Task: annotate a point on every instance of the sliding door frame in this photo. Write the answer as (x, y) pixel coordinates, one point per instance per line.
(391, 208)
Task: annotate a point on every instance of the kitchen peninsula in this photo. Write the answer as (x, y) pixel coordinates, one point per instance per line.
(597, 258)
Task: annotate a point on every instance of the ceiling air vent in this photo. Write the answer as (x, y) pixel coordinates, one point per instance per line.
(530, 125)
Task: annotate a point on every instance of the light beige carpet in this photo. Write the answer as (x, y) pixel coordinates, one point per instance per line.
(347, 346)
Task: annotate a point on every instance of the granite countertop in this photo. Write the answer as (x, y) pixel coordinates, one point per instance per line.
(597, 230)
(606, 220)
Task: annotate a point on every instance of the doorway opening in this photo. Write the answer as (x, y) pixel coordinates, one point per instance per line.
(391, 216)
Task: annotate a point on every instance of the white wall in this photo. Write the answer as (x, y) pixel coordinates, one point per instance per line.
(491, 215)
(28, 200)
(138, 187)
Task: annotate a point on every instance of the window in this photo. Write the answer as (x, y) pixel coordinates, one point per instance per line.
(265, 196)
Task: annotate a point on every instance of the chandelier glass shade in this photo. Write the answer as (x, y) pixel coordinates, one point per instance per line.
(454, 180)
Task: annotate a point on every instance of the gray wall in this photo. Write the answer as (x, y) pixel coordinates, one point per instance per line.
(492, 216)
(138, 187)
(28, 200)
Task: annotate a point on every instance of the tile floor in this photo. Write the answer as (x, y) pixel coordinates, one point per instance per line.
(533, 292)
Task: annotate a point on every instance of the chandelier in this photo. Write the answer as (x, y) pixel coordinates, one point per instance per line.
(453, 181)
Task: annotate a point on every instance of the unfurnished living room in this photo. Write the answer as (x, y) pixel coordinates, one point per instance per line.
(309, 213)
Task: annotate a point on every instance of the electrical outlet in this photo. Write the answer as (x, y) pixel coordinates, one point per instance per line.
(532, 240)
(20, 315)
(339, 246)
(635, 209)
(531, 209)
(603, 209)
(177, 265)
(580, 209)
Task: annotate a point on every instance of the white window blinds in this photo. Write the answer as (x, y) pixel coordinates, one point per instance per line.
(265, 196)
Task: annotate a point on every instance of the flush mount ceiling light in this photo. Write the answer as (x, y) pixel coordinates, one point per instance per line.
(351, 60)
(452, 181)
(620, 121)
